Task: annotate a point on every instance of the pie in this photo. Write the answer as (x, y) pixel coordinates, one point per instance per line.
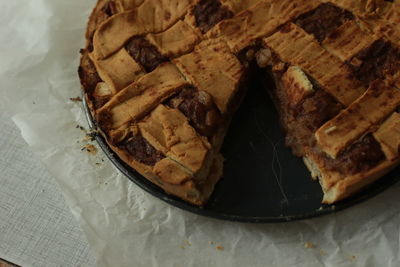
(163, 79)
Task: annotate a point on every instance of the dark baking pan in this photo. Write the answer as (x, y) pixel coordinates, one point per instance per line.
(263, 182)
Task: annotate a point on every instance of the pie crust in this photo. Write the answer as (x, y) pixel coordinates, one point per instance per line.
(163, 78)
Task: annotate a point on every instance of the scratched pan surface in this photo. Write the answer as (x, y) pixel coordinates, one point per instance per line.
(263, 182)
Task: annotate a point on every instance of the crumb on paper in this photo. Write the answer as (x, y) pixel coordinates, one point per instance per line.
(322, 252)
(98, 163)
(91, 149)
(353, 258)
(80, 127)
(219, 247)
(90, 137)
(309, 245)
(211, 242)
(185, 244)
(76, 99)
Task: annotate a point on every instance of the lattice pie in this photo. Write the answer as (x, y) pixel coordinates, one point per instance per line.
(163, 79)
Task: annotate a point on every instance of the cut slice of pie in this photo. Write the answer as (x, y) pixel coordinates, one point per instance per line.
(163, 78)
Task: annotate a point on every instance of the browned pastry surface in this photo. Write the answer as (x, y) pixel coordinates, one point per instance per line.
(164, 77)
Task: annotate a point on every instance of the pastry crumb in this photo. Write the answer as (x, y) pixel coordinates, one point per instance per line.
(76, 99)
(309, 245)
(353, 258)
(185, 244)
(91, 136)
(322, 252)
(80, 127)
(91, 149)
(219, 247)
(211, 242)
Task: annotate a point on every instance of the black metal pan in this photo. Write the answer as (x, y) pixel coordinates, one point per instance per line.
(263, 182)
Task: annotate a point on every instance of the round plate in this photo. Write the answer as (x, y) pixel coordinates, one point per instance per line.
(263, 181)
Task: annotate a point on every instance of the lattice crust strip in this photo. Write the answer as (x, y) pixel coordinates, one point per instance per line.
(259, 20)
(138, 99)
(379, 16)
(163, 78)
(378, 102)
(212, 68)
(295, 46)
(113, 33)
(347, 41)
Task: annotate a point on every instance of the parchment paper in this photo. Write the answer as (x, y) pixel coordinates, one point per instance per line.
(126, 226)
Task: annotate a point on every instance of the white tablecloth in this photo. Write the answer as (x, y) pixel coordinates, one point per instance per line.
(36, 226)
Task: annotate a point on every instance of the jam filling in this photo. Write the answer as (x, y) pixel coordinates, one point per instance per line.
(99, 102)
(307, 117)
(316, 110)
(208, 13)
(88, 74)
(199, 108)
(323, 20)
(302, 122)
(145, 53)
(361, 156)
(377, 62)
(141, 150)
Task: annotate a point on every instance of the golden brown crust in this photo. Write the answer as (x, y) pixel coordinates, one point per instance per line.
(293, 45)
(237, 6)
(184, 188)
(259, 20)
(168, 130)
(388, 135)
(152, 16)
(119, 70)
(211, 67)
(347, 41)
(175, 41)
(378, 102)
(141, 97)
(336, 187)
(139, 94)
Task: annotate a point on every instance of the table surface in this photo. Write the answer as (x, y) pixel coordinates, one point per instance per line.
(38, 229)
(36, 226)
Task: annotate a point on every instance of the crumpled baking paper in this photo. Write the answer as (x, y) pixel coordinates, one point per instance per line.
(126, 226)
